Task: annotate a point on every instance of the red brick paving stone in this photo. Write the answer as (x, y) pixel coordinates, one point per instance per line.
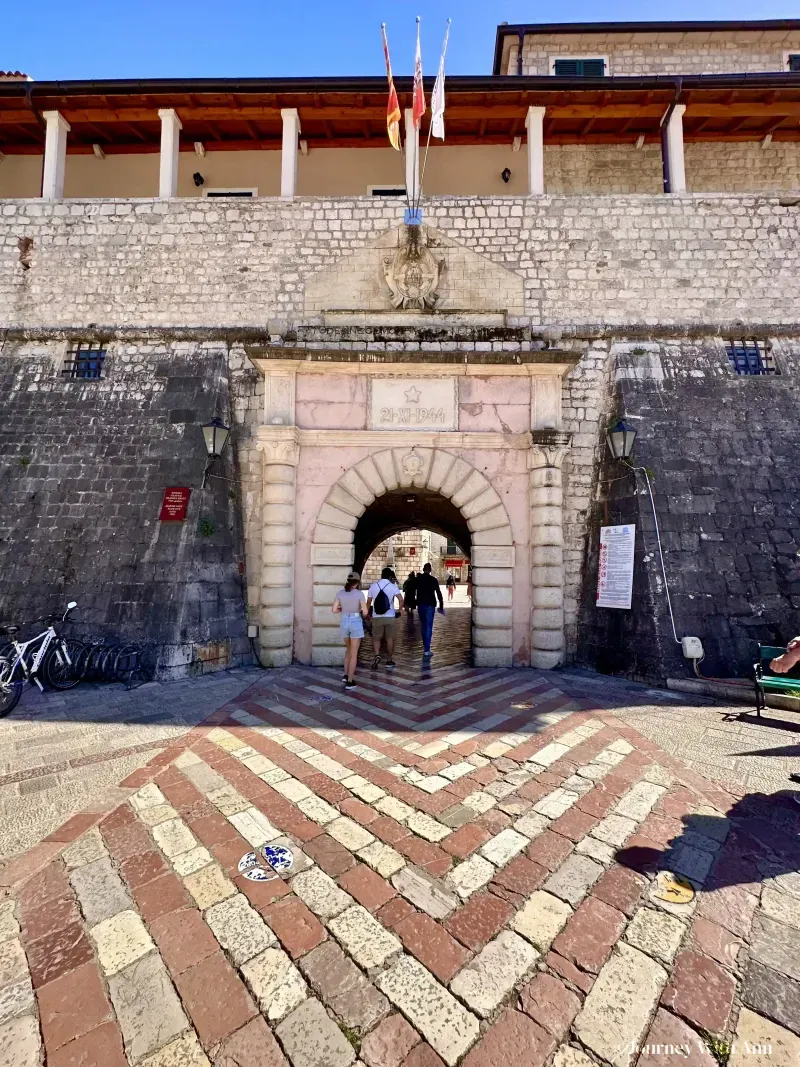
(479, 919)
(732, 907)
(183, 939)
(57, 954)
(715, 941)
(432, 945)
(621, 888)
(262, 894)
(570, 971)
(514, 1041)
(71, 1006)
(598, 802)
(700, 990)
(668, 1030)
(48, 917)
(297, 928)
(590, 934)
(393, 912)
(159, 897)
(388, 829)
(549, 849)
(575, 824)
(332, 857)
(641, 854)
(359, 811)
(22, 867)
(367, 887)
(661, 829)
(138, 870)
(252, 1046)
(72, 829)
(678, 802)
(212, 830)
(101, 1047)
(533, 791)
(50, 884)
(494, 821)
(549, 1003)
(139, 778)
(465, 840)
(426, 855)
(423, 1056)
(181, 795)
(216, 999)
(521, 876)
(389, 1043)
(128, 841)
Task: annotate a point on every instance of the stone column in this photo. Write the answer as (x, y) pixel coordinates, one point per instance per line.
(547, 547)
(170, 152)
(289, 144)
(280, 454)
(676, 169)
(55, 155)
(535, 125)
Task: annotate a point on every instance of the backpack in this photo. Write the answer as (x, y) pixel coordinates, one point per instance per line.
(381, 603)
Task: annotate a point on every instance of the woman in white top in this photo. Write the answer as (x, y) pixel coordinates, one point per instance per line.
(351, 604)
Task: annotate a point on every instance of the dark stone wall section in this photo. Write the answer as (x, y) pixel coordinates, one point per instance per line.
(724, 456)
(83, 467)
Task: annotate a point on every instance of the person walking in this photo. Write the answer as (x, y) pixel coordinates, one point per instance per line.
(380, 599)
(428, 592)
(351, 604)
(451, 586)
(410, 596)
(469, 583)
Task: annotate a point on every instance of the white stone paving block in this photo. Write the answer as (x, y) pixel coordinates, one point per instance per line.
(470, 875)
(318, 810)
(620, 1005)
(503, 847)
(531, 825)
(121, 940)
(622, 746)
(444, 1023)
(329, 767)
(613, 830)
(485, 982)
(258, 763)
(479, 801)
(292, 790)
(189, 862)
(639, 801)
(239, 929)
(320, 893)
(549, 754)
(541, 919)
(423, 825)
(364, 938)
(432, 784)
(276, 983)
(382, 858)
(277, 774)
(367, 792)
(174, 837)
(254, 827)
(457, 770)
(149, 796)
(556, 803)
(349, 833)
(394, 808)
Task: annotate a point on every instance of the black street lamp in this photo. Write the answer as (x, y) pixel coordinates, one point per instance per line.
(620, 440)
(216, 435)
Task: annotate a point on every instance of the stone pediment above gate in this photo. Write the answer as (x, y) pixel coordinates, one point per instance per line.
(399, 277)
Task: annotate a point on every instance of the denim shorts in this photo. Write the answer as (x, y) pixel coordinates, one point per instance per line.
(351, 625)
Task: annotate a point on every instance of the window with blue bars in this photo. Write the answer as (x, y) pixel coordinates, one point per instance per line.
(794, 63)
(579, 68)
(85, 360)
(748, 357)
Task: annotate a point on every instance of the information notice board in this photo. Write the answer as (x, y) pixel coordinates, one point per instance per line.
(615, 572)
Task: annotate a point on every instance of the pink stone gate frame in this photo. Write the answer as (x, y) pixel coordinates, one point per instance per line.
(435, 469)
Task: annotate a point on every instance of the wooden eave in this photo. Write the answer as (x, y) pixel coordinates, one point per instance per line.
(123, 117)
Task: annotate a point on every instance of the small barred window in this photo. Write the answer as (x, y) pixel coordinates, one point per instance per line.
(750, 357)
(85, 360)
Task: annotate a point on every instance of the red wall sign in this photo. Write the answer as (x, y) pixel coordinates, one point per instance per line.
(174, 504)
(454, 563)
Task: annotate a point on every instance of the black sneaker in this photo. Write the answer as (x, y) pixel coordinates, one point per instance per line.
(376, 663)
(351, 685)
(390, 663)
(344, 677)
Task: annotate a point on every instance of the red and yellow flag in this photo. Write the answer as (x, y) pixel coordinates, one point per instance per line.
(393, 105)
(419, 92)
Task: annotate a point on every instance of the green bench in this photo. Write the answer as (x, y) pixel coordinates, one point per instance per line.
(767, 681)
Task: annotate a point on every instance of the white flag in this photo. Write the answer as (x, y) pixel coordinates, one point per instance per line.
(437, 99)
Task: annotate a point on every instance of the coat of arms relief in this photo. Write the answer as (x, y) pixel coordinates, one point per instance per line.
(413, 273)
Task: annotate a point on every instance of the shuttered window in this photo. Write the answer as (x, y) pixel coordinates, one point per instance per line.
(579, 68)
(794, 63)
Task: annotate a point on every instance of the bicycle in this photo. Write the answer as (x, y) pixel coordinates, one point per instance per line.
(46, 655)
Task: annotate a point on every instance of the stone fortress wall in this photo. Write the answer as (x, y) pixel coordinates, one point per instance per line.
(185, 279)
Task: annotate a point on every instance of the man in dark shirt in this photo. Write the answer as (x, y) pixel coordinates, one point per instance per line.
(428, 592)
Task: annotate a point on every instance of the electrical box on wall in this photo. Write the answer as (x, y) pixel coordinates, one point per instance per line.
(252, 630)
(692, 647)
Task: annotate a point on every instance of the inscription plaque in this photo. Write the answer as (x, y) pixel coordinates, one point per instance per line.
(413, 404)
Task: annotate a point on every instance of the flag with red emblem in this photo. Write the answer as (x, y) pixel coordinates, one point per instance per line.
(393, 106)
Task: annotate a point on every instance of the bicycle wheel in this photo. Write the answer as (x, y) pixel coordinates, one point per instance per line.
(10, 689)
(59, 666)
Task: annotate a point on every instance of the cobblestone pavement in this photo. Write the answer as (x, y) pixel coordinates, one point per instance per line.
(62, 752)
(478, 878)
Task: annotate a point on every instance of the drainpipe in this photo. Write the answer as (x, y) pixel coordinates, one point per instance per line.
(519, 52)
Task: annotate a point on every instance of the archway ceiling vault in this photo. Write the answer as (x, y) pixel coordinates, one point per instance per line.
(391, 513)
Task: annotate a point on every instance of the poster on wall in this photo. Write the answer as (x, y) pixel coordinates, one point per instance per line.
(615, 572)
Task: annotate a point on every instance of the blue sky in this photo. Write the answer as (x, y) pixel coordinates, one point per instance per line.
(54, 39)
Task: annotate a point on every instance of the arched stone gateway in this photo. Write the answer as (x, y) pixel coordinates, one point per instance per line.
(451, 476)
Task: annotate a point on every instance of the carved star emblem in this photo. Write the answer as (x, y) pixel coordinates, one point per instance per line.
(412, 395)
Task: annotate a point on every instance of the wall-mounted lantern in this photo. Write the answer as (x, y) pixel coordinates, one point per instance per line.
(620, 439)
(216, 435)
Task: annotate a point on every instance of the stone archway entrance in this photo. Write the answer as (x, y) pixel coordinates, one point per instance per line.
(466, 492)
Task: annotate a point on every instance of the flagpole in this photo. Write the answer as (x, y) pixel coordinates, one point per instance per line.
(415, 169)
(430, 124)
